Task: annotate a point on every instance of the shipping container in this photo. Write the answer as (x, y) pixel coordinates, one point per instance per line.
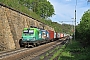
(61, 35)
(45, 34)
(55, 35)
(58, 35)
(65, 35)
(51, 34)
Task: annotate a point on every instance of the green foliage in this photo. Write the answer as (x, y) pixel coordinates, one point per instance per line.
(65, 28)
(57, 53)
(41, 57)
(47, 54)
(41, 7)
(83, 29)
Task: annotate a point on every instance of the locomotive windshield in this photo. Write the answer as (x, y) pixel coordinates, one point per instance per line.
(31, 32)
(25, 31)
(28, 32)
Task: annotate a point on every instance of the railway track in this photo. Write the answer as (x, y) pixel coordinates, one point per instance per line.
(9, 54)
(35, 54)
(28, 53)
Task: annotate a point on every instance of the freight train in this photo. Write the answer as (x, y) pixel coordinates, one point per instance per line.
(34, 36)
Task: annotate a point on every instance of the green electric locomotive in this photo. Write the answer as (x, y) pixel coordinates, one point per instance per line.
(30, 36)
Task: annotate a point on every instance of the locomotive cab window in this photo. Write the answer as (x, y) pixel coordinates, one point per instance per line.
(25, 31)
(31, 32)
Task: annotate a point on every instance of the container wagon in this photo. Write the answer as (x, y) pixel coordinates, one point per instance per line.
(61, 35)
(55, 36)
(51, 35)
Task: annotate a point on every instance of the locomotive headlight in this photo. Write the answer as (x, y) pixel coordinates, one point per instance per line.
(27, 39)
(33, 38)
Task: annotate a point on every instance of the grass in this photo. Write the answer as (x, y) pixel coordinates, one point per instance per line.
(75, 51)
(47, 54)
(41, 57)
(51, 51)
(57, 52)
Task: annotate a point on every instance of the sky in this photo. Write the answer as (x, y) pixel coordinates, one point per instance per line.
(65, 10)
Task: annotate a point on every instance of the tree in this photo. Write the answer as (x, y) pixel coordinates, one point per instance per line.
(45, 10)
(41, 7)
(83, 30)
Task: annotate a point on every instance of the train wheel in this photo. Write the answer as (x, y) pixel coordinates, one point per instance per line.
(25, 46)
(38, 44)
(28, 45)
(52, 40)
(34, 44)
